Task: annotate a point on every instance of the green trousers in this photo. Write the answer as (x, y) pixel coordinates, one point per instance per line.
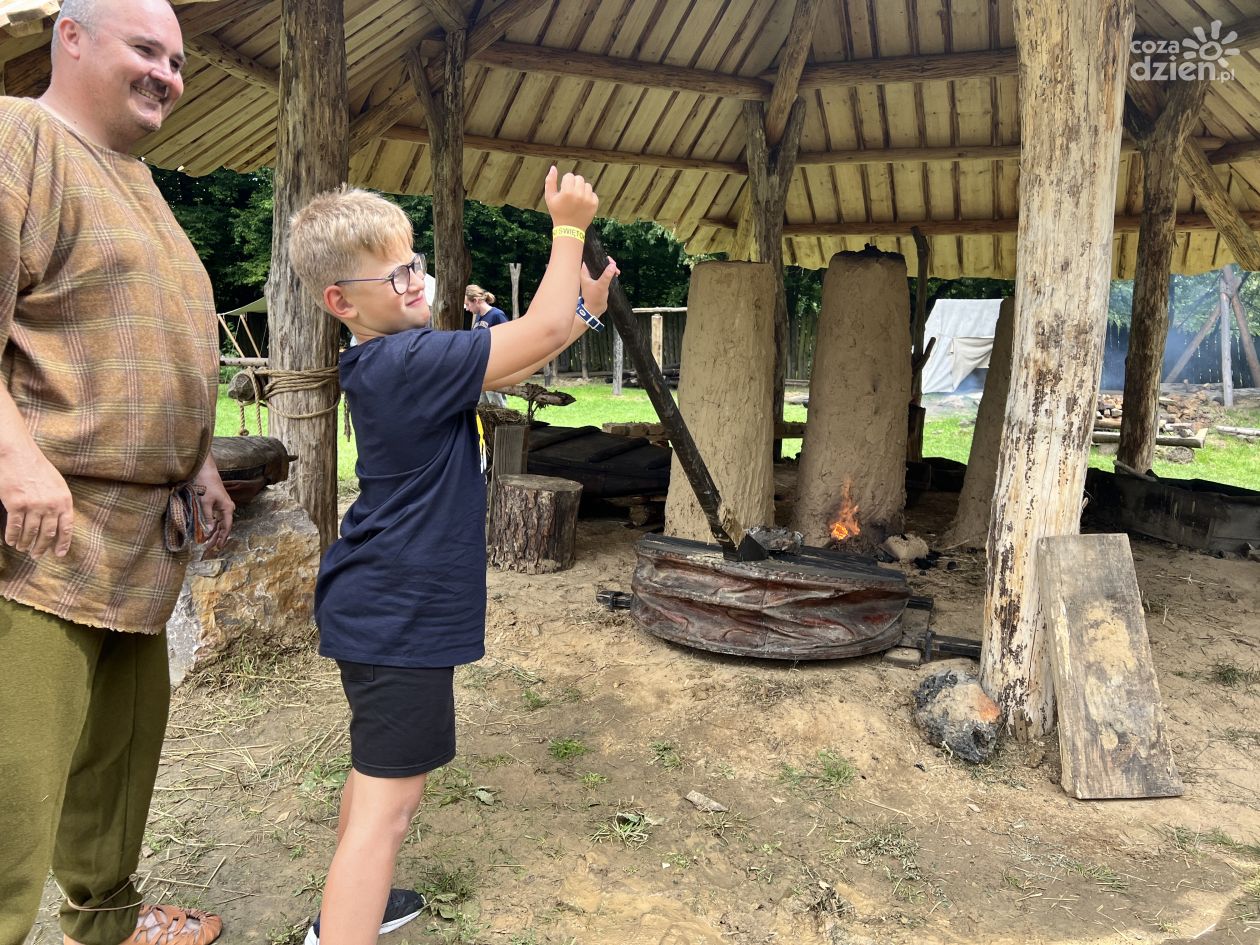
(82, 716)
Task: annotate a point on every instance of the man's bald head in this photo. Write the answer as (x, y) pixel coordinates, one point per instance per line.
(116, 67)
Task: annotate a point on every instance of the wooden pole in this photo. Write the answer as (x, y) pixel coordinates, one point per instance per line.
(1244, 330)
(1175, 371)
(769, 174)
(1160, 143)
(514, 270)
(658, 342)
(312, 156)
(445, 111)
(918, 356)
(1073, 55)
(1227, 356)
(619, 362)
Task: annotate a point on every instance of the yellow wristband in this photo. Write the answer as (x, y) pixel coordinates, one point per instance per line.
(572, 231)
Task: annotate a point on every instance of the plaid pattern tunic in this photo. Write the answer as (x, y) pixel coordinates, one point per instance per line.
(108, 345)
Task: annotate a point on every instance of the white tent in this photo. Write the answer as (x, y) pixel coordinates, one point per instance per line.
(963, 329)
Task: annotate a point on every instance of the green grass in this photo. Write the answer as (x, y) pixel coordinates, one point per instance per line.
(1224, 459)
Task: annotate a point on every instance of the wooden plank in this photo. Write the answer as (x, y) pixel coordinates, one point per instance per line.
(791, 64)
(1111, 718)
(198, 18)
(233, 62)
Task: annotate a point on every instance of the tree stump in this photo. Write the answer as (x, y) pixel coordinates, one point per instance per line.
(534, 524)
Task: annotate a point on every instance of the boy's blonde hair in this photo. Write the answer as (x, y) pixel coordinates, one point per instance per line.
(328, 235)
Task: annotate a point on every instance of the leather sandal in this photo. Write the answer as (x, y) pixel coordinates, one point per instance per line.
(171, 925)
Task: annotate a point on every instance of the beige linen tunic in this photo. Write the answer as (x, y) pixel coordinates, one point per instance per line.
(108, 346)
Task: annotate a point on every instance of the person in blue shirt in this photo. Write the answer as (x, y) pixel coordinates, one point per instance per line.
(480, 304)
(401, 596)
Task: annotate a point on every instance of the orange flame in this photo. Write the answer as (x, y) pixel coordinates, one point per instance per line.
(845, 524)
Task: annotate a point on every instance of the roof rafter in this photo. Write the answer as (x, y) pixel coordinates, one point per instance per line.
(901, 228)
(448, 14)
(198, 18)
(219, 54)
(791, 64)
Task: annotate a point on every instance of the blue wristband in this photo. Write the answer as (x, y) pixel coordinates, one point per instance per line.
(592, 322)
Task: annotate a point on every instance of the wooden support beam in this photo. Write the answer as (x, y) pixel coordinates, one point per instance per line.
(1216, 202)
(1192, 164)
(769, 174)
(568, 153)
(791, 63)
(1161, 143)
(447, 13)
(488, 30)
(312, 157)
(1186, 222)
(445, 112)
(945, 67)
(222, 56)
(563, 62)
(1235, 152)
(1073, 58)
(24, 17)
(381, 116)
(196, 19)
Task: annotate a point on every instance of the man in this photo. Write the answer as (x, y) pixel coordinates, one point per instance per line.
(108, 371)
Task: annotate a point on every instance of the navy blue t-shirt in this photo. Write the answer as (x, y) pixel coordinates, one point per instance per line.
(494, 316)
(405, 585)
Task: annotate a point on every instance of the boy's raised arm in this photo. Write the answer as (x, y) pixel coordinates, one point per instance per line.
(546, 325)
(595, 293)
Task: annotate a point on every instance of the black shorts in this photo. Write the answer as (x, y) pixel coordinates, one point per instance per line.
(402, 720)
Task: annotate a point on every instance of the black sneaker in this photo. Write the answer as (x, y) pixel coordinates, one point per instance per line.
(403, 906)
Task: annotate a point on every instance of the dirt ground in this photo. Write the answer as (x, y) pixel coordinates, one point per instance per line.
(563, 820)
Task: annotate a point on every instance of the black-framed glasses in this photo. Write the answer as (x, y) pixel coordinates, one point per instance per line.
(400, 277)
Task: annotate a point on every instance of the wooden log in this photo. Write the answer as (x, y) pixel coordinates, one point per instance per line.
(1073, 60)
(445, 112)
(1111, 722)
(619, 363)
(761, 238)
(534, 525)
(658, 340)
(1111, 436)
(1238, 431)
(1227, 354)
(1160, 142)
(312, 156)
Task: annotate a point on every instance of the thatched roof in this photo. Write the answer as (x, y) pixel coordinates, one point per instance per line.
(911, 112)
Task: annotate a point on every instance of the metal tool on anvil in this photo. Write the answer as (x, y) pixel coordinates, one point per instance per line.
(735, 542)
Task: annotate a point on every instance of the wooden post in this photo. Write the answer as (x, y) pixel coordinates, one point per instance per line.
(918, 356)
(1244, 330)
(514, 269)
(1160, 143)
(312, 156)
(1073, 55)
(1175, 371)
(975, 502)
(619, 362)
(1227, 356)
(770, 171)
(445, 111)
(658, 341)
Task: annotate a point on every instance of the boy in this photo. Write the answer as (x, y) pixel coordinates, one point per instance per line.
(401, 596)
